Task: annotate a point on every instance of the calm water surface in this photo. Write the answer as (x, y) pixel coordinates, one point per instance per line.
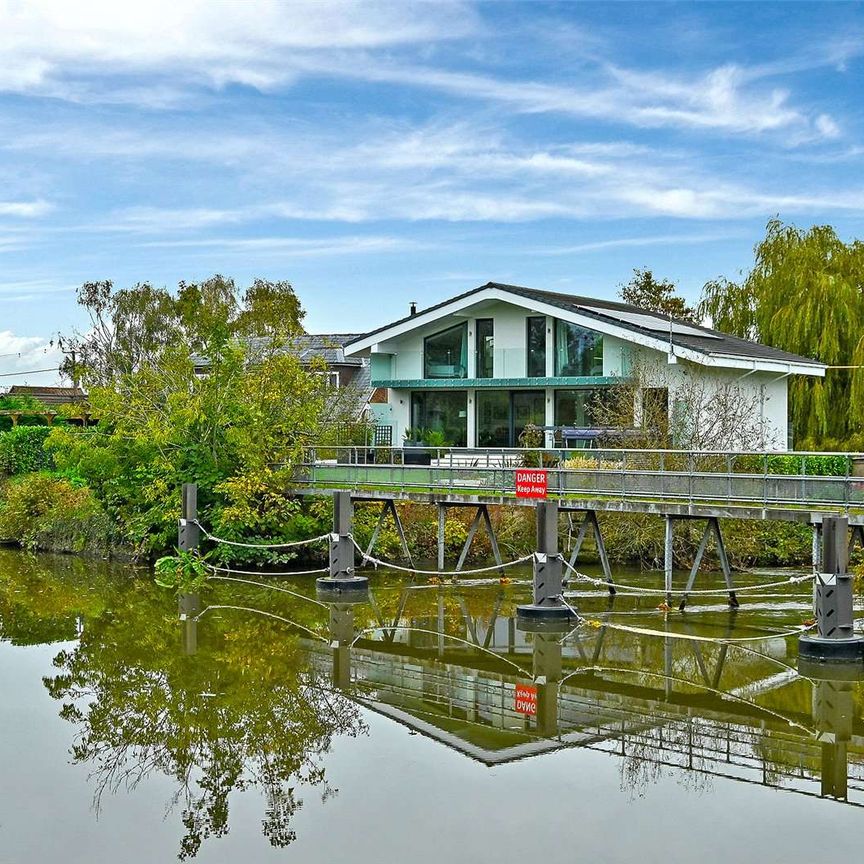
(420, 726)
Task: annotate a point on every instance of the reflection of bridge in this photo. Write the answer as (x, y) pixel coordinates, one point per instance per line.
(656, 703)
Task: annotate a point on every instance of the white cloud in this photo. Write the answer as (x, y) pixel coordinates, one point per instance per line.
(634, 242)
(724, 99)
(52, 46)
(153, 53)
(22, 356)
(295, 247)
(466, 172)
(25, 209)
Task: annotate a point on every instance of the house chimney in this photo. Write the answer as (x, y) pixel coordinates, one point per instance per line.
(413, 307)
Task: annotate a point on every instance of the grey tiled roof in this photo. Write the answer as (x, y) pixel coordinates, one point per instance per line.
(328, 347)
(712, 343)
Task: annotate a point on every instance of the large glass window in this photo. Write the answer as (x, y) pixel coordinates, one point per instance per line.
(577, 408)
(578, 351)
(573, 407)
(536, 347)
(444, 412)
(529, 407)
(503, 414)
(493, 418)
(484, 334)
(445, 355)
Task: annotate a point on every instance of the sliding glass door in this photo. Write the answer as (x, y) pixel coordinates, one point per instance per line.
(502, 415)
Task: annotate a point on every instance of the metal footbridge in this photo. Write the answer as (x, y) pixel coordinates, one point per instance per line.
(741, 485)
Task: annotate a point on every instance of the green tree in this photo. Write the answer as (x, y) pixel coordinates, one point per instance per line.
(132, 327)
(805, 294)
(236, 430)
(657, 295)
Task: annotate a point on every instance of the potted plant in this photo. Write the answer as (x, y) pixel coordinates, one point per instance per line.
(418, 445)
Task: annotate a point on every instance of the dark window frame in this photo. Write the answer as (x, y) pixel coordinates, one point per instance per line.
(480, 348)
(597, 337)
(463, 353)
(529, 354)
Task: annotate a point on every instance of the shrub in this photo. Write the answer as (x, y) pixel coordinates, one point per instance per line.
(41, 511)
(22, 450)
(779, 463)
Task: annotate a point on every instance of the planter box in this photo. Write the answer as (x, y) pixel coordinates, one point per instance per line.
(416, 456)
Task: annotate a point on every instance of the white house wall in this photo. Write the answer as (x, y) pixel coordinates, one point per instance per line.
(767, 390)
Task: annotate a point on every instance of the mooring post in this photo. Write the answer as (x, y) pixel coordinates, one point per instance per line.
(835, 639)
(188, 530)
(548, 580)
(342, 577)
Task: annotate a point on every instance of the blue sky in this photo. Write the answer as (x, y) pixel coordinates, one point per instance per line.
(376, 153)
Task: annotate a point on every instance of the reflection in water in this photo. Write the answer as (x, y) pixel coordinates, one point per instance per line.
(245, 711)
(225, 699)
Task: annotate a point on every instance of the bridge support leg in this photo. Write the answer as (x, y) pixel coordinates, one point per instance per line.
(835, 639)
(548, 605)
(389, 506)
(589, 520)
(342, 578)
(856, 532)
(668, 560)
(712, 526)
(482, 513)
(442, 521)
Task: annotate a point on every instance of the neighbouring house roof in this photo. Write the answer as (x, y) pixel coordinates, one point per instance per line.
(691, 341)
(329, 347)
(49, 395)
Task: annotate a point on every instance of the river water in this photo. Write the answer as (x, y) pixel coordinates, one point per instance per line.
(421, 725)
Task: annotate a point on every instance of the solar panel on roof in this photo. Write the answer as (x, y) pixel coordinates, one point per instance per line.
(650, 322)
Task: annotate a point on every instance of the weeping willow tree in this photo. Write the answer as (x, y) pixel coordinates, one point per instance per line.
(805, 294)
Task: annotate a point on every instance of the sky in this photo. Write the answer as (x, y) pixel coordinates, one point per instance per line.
(378, 153)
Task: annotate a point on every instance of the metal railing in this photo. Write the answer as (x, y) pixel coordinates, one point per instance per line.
(750, 479)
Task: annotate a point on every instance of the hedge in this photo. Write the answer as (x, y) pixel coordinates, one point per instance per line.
(22, 450)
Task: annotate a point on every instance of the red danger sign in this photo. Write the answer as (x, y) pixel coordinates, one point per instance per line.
(530, 483)
(525, 699)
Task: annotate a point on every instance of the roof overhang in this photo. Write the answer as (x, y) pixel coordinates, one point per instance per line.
(371, 342)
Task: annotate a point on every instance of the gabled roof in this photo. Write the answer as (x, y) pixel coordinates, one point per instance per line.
(329, 347)
(49, 395)
(692, 341)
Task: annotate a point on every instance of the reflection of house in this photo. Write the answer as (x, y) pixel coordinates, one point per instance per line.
(483, 365)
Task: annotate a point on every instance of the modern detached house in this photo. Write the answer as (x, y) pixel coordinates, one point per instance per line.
(481, 366)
